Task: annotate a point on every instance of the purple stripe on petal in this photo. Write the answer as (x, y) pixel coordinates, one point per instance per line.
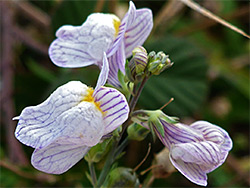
(114, 106)
(138, 31)
(83, 45)
(58, 157)
(191, 171)
(44, 119)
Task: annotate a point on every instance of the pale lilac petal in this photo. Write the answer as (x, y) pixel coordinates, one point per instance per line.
(179, 133)
(215, 134)
(103, 74)
(126, 21)
(40, 125)
(191, 171)
(84, 45)
(117, 62)
(203, 153)
(58, 157)
(114, 107)
(138, 31)
(83, 124)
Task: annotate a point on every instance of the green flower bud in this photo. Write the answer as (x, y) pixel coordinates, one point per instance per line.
(97, 152)
(135, 68)
(137, 132)
(122, 177)
(158, 62)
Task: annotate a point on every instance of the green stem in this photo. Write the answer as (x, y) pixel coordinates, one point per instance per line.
(133, 103)
(121, 147)
(107, 165)
(115, 151)
(138, 93)
(92, 174)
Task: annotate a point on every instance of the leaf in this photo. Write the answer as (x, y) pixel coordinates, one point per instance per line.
(40, 71)
(185, 81)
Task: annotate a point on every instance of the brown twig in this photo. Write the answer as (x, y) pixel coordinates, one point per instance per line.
(113, 6)
(144, 159)
(244, 11)
(212, 16)
(150, 168)
(26, 39)
(99, 5)
(168, 11)
(33, 13)
(40, 177)
(15, 151)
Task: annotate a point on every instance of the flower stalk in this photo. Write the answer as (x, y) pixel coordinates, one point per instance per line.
(92, 174)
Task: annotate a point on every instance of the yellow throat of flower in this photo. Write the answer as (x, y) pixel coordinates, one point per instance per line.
(89, 98)
(116, 23)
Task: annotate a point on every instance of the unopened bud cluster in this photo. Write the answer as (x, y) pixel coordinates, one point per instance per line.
(158, 62)
(143, 64)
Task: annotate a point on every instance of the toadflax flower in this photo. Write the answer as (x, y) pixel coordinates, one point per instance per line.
(194, 150)
(197, 149)
(74, 118)
(79, 46)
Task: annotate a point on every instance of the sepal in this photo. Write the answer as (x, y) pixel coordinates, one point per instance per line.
(151, 119)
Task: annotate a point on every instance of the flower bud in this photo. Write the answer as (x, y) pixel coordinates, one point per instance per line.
(122, 177)
(97, 152)
(158, 62)
(137, 132)
(135, 68)
(165, 167)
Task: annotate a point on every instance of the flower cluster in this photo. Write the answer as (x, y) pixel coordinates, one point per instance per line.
(75, 117)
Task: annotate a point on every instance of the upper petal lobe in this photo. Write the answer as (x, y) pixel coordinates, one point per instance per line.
(40, 125)
(83, 45)
(114, 107)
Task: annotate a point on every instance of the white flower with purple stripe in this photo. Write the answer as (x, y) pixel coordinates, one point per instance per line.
(79, 46)
(197, 149)
(74, 118)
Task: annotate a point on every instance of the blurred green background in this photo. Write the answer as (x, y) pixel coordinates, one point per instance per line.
(209, 81)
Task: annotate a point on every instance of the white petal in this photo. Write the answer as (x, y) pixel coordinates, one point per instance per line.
(84, 45)
(104, 73)
(83, 124)
(114, 106)
(214, 134)
(191, 171)
(58, 157)
(126, 21)
(138, 30)
(117, 62)
(40, 125)
(179, 133)
(202, 153)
